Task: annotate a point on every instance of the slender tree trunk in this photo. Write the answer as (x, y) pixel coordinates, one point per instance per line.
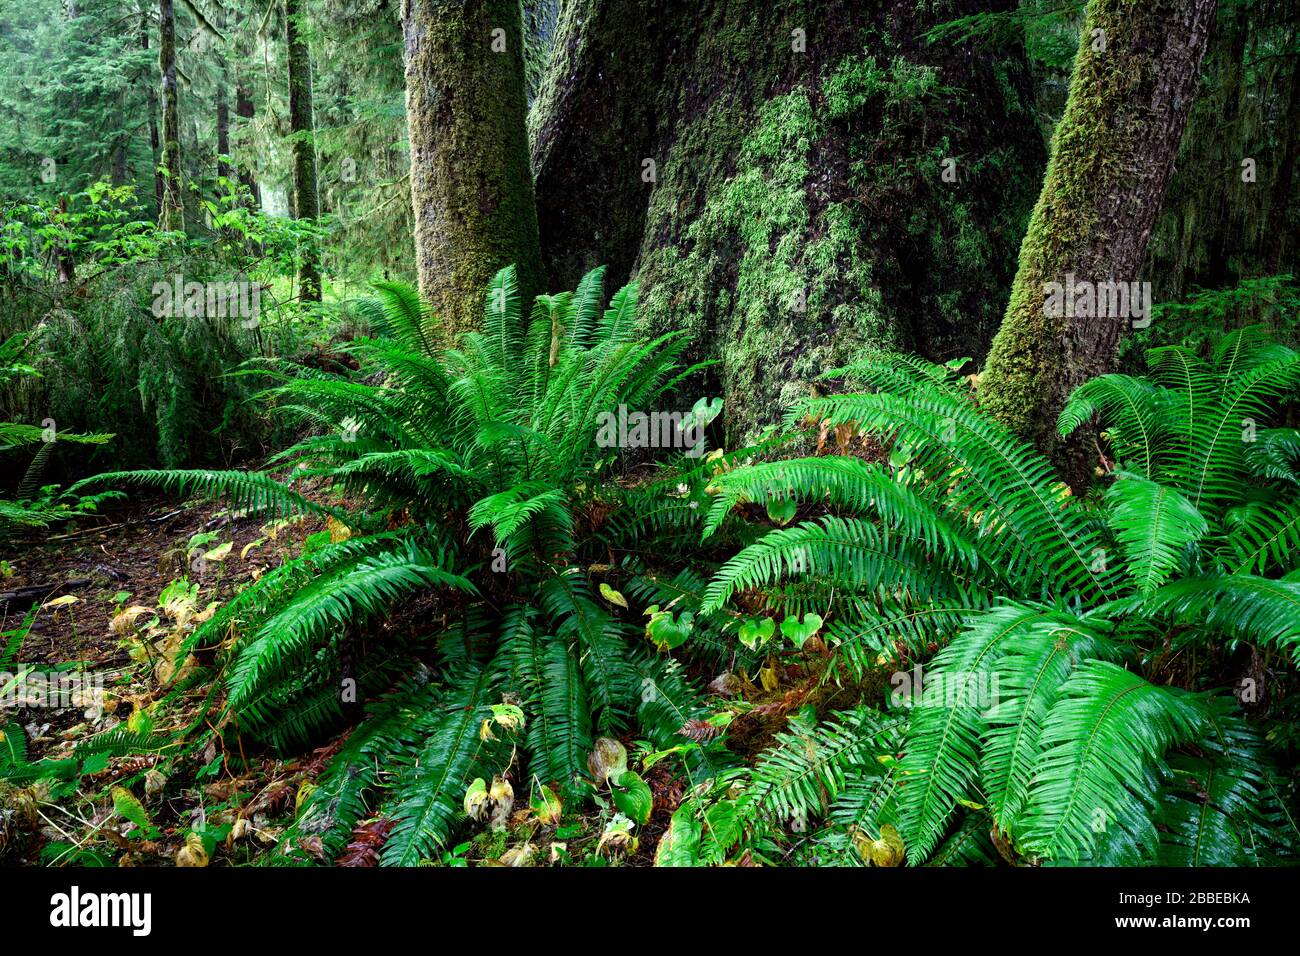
(119, 161)
(244, 109)
(1282, 235)
(223, 133)
(471, 183)
(223, 108)
(172, 209)
(1134, 82)
(64, 261)
(305, 189)
(154, 141)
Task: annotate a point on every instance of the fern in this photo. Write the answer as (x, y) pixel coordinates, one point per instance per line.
(1067, 757)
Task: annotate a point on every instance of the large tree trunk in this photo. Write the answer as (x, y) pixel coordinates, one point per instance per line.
(796, 211)
(1133, 85)
(171, 214)
(305, 190)
(471, 185)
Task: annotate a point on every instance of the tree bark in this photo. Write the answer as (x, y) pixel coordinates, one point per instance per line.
(772, 175)
(301, 124)
(471, 184)
(171, 214)
(245, 111)
(1111, 158)
(154, 140)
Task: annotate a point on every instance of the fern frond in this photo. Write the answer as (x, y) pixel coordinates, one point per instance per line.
(427, 802)
(322, 610)
(1101, 743)
(1157, 526)
(247, 491)
(1259, 610)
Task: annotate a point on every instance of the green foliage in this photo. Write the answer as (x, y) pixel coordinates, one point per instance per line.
(88, 288)
(484, 459)
(1041, 713)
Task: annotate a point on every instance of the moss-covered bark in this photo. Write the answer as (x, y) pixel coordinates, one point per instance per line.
(1133, 85)
(302, 125)
(171, 213)
(471, 184)
(798, 211)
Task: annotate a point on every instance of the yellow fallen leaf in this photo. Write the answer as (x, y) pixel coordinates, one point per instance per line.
(192, 853)
(218, 553)
(65, 601)
(612, 596)
(124, 620)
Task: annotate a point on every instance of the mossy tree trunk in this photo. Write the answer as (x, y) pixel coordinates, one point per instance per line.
(774, 178)
(302, 125)
(171, 213)
(1134, 82)
(471, 183)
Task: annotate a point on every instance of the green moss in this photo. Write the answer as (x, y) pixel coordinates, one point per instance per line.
(802, 299)
(790, 231)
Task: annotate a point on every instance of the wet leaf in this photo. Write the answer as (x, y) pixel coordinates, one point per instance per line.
(632, 796)
(612, 596)
(608, 758)
(680, 844)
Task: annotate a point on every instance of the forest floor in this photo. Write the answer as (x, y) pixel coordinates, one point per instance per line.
(114, 603)
(127, 570)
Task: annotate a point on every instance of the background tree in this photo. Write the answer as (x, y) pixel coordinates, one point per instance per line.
(306, 200)
(171, 215)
